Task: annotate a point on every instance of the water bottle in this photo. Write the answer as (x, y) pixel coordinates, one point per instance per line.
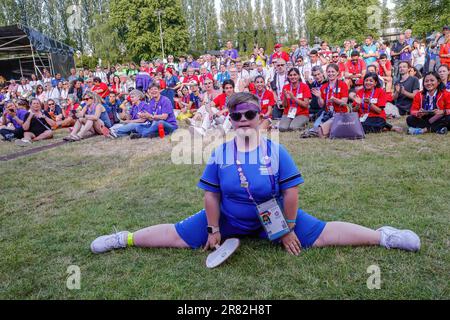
(161, 130)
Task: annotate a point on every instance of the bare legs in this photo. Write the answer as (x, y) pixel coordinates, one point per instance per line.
(347, 234)
(159, 236)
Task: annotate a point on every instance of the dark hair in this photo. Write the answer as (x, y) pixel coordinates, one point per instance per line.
(334, 66)
(446, 67)
(97, 79)
(418, 74)
(313, 52)
(242, 97)
(355, 53)
(317, 68)
(226, 82)
(154, 85)
(374, 76)
(406, 62)
(259, 77)
(296, 71)
(441, 86)
(39, 86)
(383, 56)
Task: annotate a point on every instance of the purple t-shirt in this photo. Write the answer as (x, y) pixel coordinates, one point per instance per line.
(20, 114)
(230, 53)
(141, 107)
(193, 64)
(163, 106)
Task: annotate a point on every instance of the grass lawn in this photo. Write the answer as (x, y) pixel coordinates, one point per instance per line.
(54, 203)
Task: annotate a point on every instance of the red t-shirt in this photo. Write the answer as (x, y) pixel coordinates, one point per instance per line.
(266, 100)
(283, 55)
(445, 49)
(101, 89)
(378, 98)
(388, 68)
(341, 69)
(202, 78)
(356, 68)
(220, 101)
(442, 102)
(162, 84)
(302, 92)
(339, 93)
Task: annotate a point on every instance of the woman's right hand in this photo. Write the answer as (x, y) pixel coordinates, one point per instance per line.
(213, 240)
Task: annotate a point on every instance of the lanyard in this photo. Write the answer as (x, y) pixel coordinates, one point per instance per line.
(158, 104)
(430, 102)
(368, 105)
(327, 92)
(260, 98)
(243, 178)
(280, 87)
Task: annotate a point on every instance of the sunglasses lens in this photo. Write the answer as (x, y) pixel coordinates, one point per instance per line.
(250, 114)
(236, 116)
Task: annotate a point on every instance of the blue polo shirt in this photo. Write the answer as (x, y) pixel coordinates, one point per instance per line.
(221, 176)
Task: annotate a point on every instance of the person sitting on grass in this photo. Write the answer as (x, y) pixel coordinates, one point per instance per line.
(233, 189)
(92, 119)
(430, 111)
(370, 102)
(68, 117)
(133, 116)
(37, 125)
(12, 121)
(296, 97)
(160, 114)
(266, 101)
(185, 104)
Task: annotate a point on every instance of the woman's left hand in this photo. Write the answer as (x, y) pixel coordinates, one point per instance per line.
(291, 243)
(438, 112)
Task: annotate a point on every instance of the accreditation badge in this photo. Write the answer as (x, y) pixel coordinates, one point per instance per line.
(292, 113)
(272, 219)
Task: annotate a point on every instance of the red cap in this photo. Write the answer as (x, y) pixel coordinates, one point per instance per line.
(278, 45)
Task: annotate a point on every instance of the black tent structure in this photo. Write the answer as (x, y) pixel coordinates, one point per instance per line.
(24, 51)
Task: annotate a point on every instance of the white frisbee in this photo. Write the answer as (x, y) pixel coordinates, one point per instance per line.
(222, 253)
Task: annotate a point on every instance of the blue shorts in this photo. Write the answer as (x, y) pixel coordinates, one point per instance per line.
(193, 229)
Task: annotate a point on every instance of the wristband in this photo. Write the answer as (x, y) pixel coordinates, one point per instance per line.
(291, 221)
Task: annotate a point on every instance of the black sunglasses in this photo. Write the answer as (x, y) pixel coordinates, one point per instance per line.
(249, 115)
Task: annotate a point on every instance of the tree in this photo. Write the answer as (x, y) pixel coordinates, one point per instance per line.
(228, 17)
(422, 16)
(259, 24)
(281, 29)
(290, 21)
(300, 18)
(269, 26)
(337, 20)
(137, 25)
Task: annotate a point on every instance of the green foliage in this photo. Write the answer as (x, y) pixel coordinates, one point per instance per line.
(138, 27)
(337, 20)
(422, 16)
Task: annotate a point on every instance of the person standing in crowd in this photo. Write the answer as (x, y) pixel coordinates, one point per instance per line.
(235, 188)
(277, 84)
(418, 55)
(192, 64)
(369, 51)
(408, 38)
(444, 51)
(405, 89)
(230, 54)
(430, 111)
(279, 54)
(397, 53)
(302, 51)
(296, 97)
(370, 103)
(37, 125)
(160, 113)
(266, 101)
(262, 57)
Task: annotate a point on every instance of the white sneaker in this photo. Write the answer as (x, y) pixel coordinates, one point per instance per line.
(107, 243)
(392, 238)
(22, 143)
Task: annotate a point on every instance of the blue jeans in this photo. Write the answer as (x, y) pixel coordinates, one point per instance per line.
(151, 129)
(127, 129)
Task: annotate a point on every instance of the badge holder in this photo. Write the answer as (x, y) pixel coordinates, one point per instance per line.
(222, 253)
(292, 113)
(272, 219)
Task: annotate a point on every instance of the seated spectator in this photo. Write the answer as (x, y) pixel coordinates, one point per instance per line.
(68, 117)
(355, 70)
(413, 72)
(134, 116)
(37, 125)
(370, 102)
(385, 72)
(430, 110)
(405, 89)
(184, 104)
(314, 86)
(222, 75)
(296, 97)
(444, 75)
(266, 101)
(12, 121)
(100, 88)
(112, 106)
(160, 114)
(92, 119)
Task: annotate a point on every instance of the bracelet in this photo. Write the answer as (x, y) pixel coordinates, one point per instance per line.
(290, 221)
